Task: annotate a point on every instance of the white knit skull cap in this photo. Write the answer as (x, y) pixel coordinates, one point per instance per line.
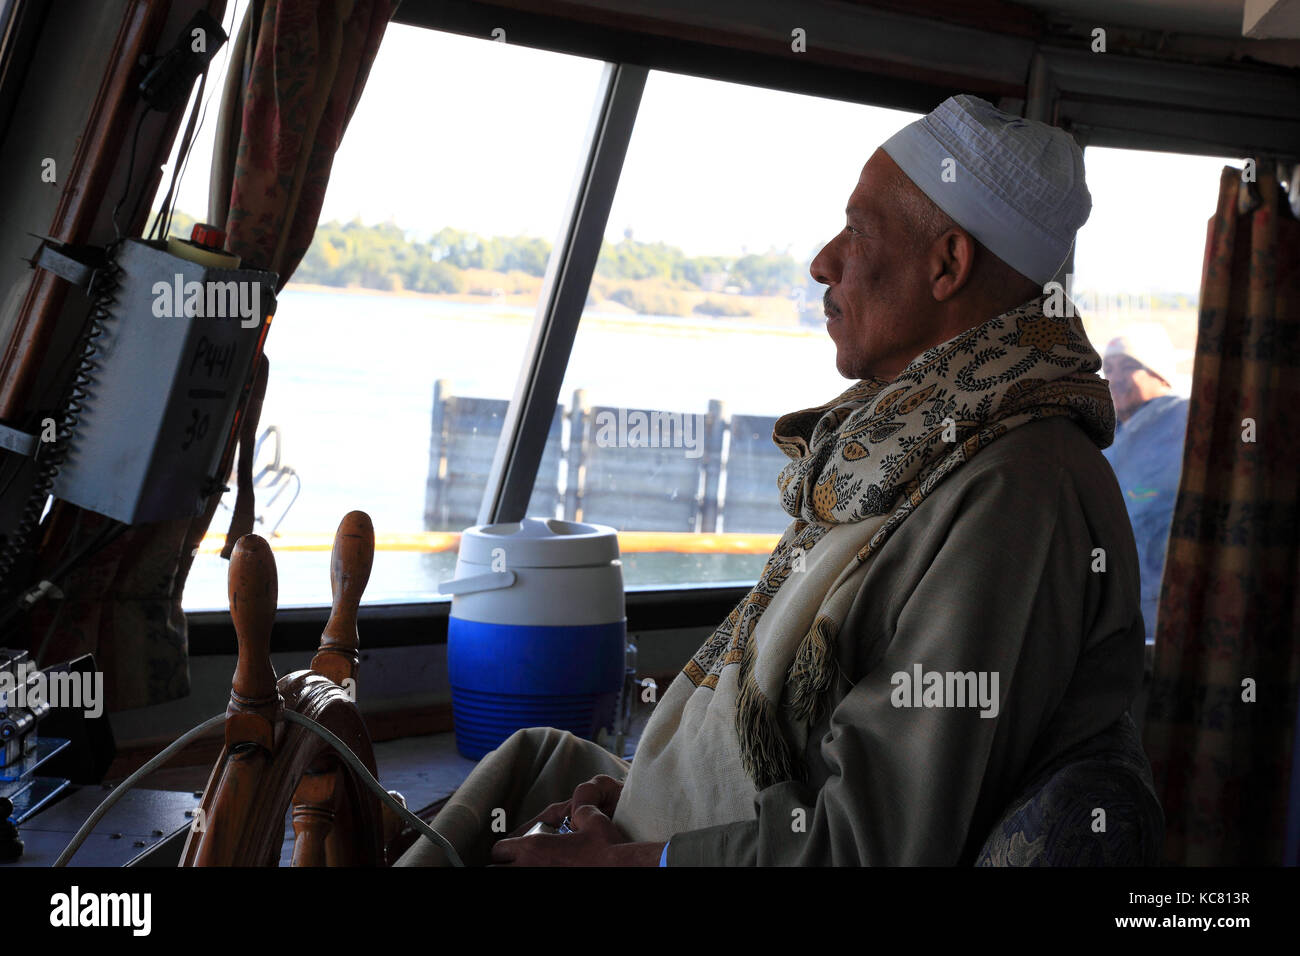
(1016, 185)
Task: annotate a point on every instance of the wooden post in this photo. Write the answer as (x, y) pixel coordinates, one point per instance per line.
(435, 484)
(577, 456)
(714, 426)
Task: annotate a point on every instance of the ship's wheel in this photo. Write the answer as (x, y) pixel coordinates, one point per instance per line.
(269, 764)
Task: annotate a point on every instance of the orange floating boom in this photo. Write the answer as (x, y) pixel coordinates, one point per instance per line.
(428, 542)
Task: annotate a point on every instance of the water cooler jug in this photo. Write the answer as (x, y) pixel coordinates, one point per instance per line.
(537, 631)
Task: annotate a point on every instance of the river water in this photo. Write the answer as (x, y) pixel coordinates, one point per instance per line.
(351, 391)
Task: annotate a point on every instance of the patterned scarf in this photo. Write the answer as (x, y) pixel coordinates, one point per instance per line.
(873, 455)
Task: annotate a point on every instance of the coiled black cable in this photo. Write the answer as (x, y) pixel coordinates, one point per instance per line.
(50, 456)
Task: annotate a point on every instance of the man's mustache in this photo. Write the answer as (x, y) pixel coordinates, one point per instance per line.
(828, 306)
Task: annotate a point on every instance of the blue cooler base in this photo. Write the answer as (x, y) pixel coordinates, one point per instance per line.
(485, 721)
(508, 677)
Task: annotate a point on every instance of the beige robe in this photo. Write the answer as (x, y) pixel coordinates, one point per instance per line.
(999, 570)
(993, 573)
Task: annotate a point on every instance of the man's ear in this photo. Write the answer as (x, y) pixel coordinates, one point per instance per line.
(954, 262)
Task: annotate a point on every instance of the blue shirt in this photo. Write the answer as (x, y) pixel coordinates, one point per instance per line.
(1147, 458)
(663, 858)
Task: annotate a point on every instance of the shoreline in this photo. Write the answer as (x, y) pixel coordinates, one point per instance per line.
(513, 300)
(1180, 323)
(606, 312)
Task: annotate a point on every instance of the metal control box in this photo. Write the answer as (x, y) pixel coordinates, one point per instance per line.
(174, 355)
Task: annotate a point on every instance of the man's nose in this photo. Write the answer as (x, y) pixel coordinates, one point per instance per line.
(824, 267)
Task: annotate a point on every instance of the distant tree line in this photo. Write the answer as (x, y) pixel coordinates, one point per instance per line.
(383, 257)
(647, 277)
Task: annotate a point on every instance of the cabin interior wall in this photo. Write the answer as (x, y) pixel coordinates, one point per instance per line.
(50, 114)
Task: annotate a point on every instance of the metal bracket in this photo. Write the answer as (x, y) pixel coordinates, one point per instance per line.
(78, 265)
(11, 439)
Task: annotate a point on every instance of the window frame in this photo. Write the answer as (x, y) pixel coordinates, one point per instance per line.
(564, 291)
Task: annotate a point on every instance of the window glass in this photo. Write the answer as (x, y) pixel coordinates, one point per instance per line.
(423, 279)
(1136, 282)
(702, 324)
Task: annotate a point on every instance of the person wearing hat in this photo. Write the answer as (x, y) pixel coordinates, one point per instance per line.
(1147, 454)
(954, 605)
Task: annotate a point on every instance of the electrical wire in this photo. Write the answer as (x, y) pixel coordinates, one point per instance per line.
(130, 170)
(201, 103)
(102, 539)
(292, 717)
(74, 534)
(163, 215)
(125, 786)
(353, 761)
(187, 141)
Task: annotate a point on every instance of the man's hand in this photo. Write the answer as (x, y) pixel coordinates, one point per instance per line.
(595, 842)
(601, 791)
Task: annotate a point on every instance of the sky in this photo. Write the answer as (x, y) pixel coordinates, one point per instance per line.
(488, 137)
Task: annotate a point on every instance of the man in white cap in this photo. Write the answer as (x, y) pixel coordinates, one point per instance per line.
(953, 609)
(1147, 455)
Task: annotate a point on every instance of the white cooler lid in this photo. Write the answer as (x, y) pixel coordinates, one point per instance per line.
(541, 543)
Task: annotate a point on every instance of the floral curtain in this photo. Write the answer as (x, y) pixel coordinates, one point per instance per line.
(306, 63)
(1221, 715)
